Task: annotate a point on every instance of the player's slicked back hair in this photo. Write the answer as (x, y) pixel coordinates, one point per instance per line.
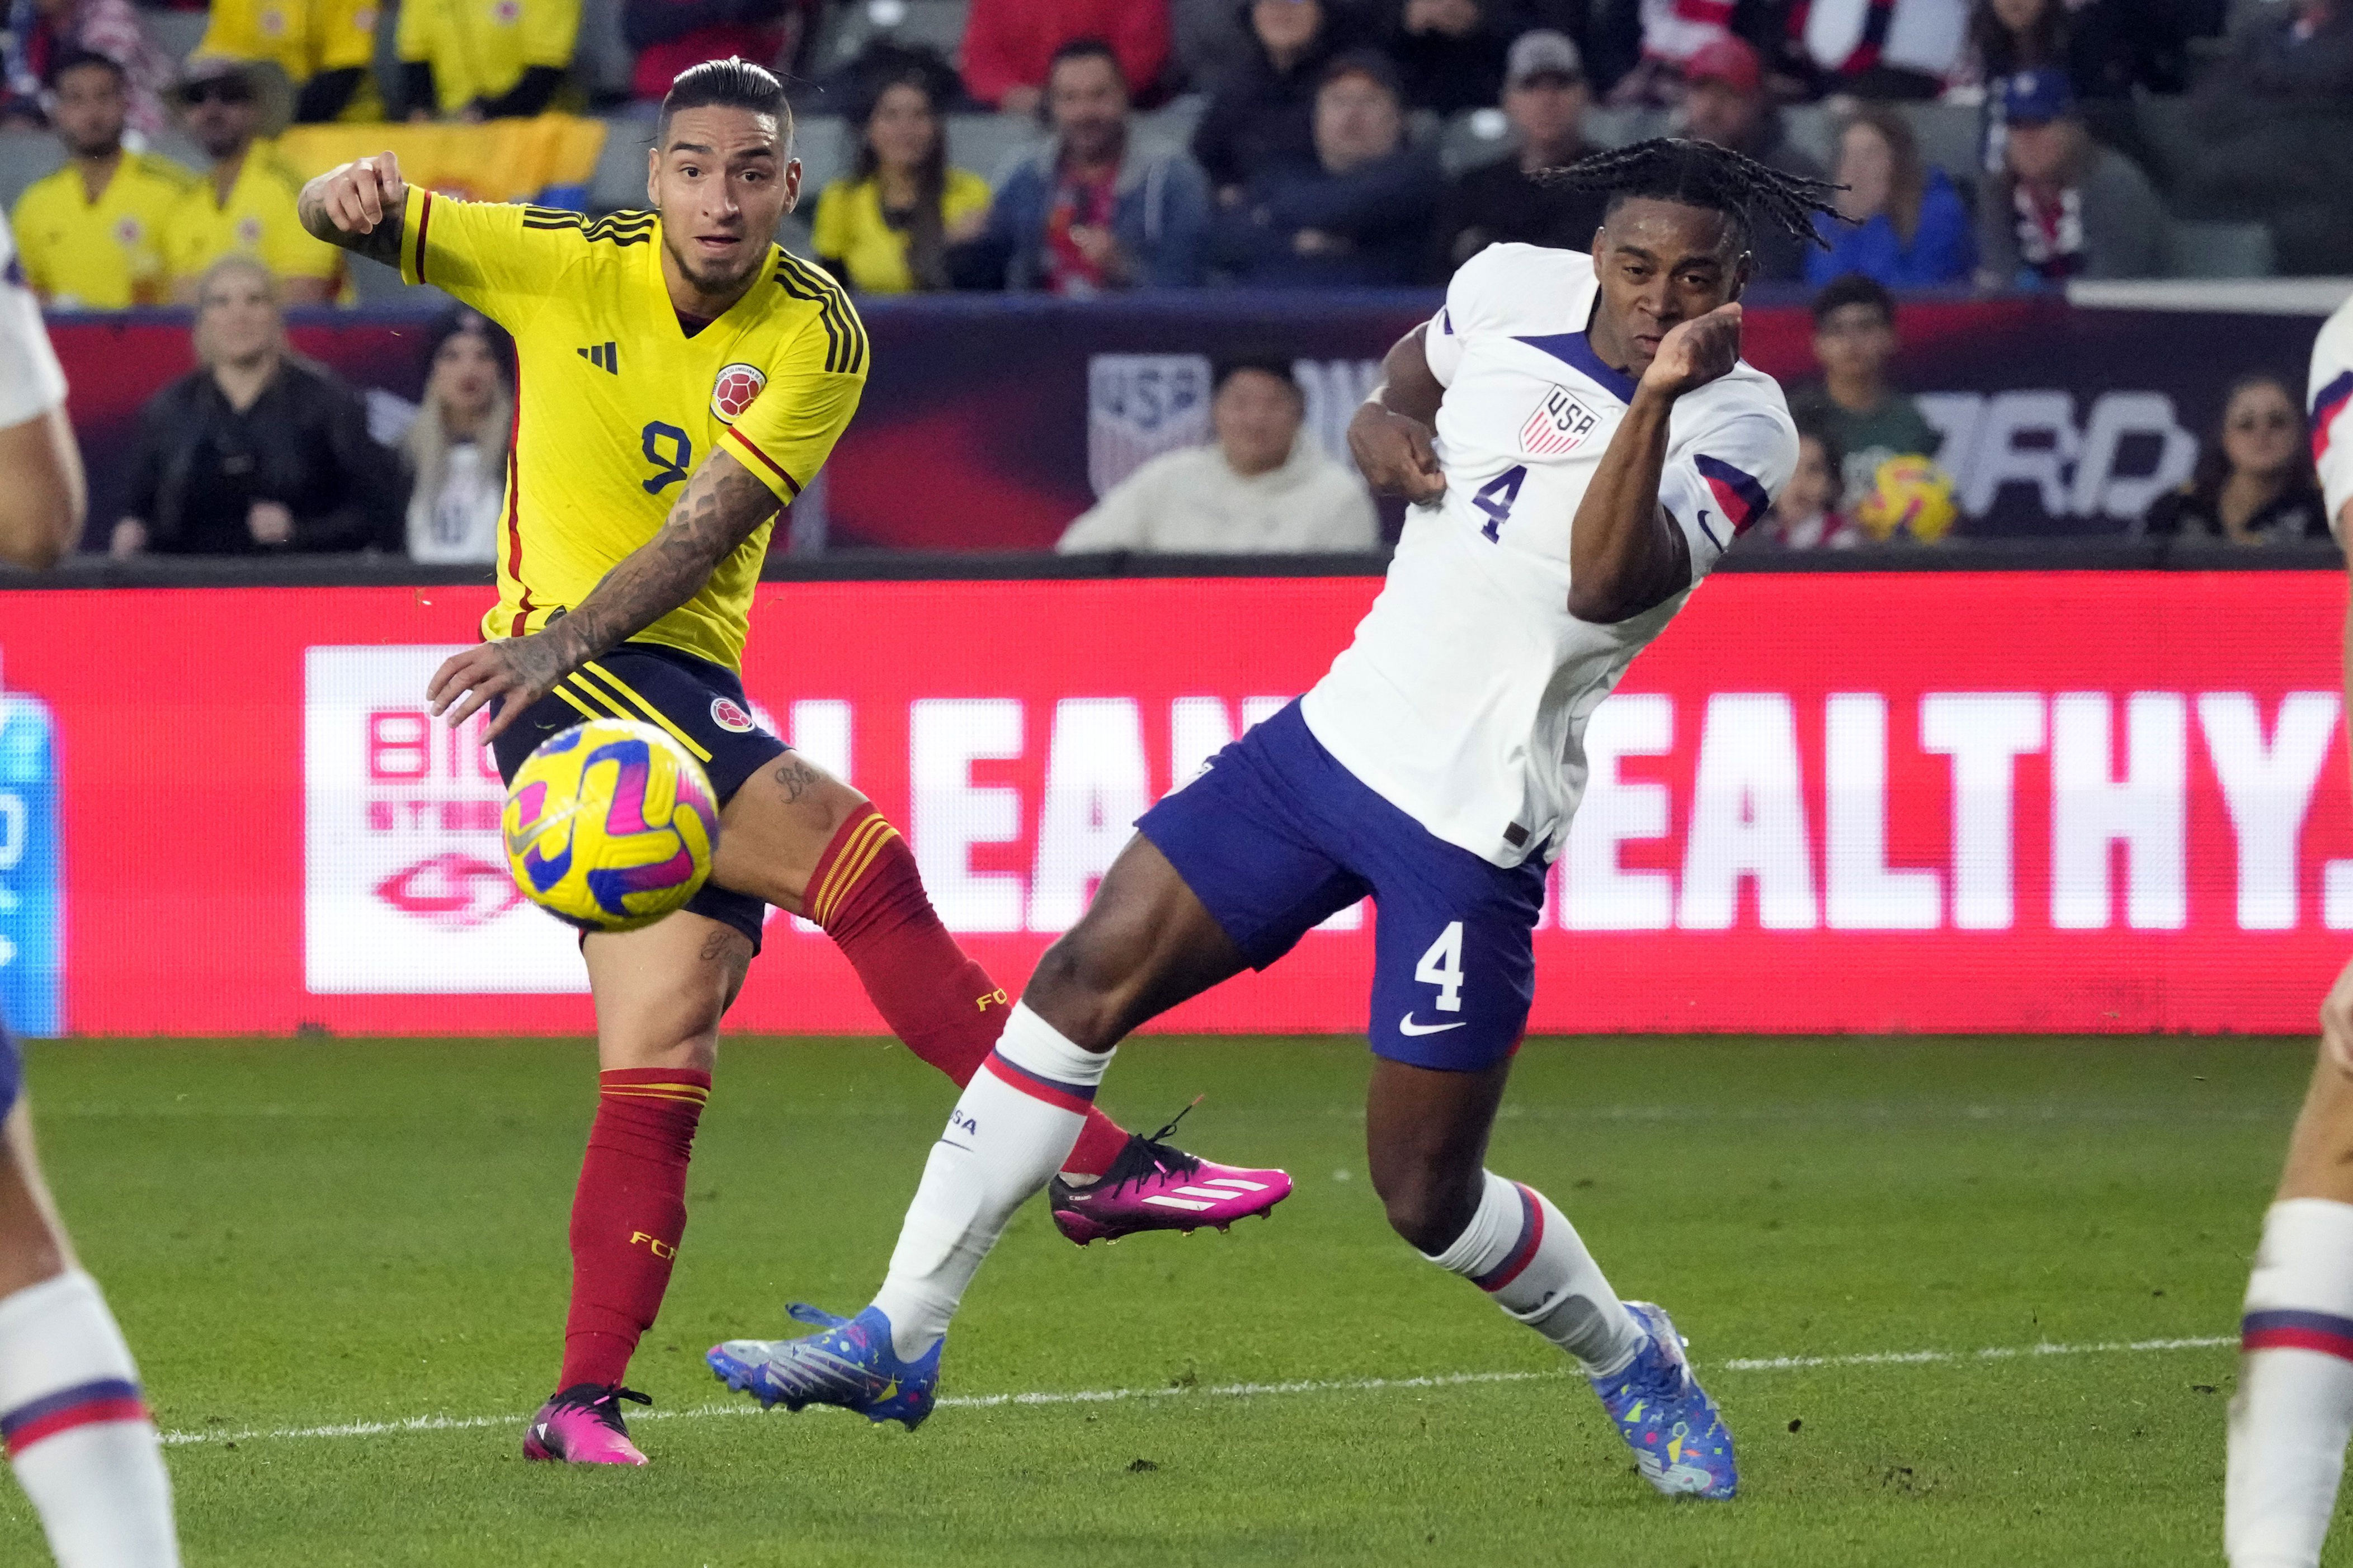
(1703, 174)
(731, 83)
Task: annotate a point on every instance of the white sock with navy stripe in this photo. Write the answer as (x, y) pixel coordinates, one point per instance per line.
(2294, 1410)
(1012, 1128)
(1522, 1252)
(78, 1433)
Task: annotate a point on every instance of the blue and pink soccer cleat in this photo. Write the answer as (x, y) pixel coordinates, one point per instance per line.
(1153, 1185)
(582, 1426)
(1677, 1434)
(851, 1363)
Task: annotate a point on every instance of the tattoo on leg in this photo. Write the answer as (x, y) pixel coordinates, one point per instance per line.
(798, 777)
(726, 943)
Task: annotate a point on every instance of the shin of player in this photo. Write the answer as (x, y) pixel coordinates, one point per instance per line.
(76, 1430)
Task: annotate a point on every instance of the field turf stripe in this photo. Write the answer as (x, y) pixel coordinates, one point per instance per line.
(1241, 1390)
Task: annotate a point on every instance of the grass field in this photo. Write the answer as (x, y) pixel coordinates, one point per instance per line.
(314, 1235)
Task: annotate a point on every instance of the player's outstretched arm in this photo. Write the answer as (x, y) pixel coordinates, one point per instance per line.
(724, 506)
(1390, 435)
(359, 205)
(1626, 555)
(41, 506)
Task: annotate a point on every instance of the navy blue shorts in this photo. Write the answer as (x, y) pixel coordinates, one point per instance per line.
(1275, 836)
(702, 704)
(12, 1070)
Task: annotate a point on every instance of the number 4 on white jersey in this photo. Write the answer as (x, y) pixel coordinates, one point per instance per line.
(1442, 966)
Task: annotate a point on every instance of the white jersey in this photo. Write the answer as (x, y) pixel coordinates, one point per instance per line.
(2330, 400)
(31, 383)
(1464, 698)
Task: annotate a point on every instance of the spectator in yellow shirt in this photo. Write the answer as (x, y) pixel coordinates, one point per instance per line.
(244, 204)
(886, 229)
(484, 60)
(324, 47)
(90, 236)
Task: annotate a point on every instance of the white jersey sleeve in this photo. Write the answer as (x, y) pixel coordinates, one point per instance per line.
(1489, 293)
(1723, 470)
(2331, 406)
(31, 381)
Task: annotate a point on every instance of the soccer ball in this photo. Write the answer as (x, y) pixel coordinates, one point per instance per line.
(1909, 495)
(610, 825)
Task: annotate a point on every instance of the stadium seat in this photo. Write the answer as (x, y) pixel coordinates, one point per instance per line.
(26, 156)
(1475, 137)
(2165, 133)
(1623, 127)
(1951, 136)
(2221, 250)
(986, 143)
(176, 32)
(619, 183)
(602, 61)
(931, 24)
(1812, 128)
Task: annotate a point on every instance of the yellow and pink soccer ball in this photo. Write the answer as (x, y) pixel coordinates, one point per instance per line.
(1908, 495)
(610, 824)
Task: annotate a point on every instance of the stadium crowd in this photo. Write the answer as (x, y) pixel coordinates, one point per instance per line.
(1988, 144)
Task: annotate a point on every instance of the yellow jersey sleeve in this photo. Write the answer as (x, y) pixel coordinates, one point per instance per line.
(343, 34)
(504, 261)
(550, 27)
(813, 385)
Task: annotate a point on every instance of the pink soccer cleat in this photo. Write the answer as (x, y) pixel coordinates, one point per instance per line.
(582, 1426)
(1153, 1187)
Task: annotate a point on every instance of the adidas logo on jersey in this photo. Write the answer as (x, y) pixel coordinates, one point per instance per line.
(1559, 426)
(605, 356)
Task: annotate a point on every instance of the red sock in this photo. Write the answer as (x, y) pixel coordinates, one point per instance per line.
(629, 1215)
(867, 895)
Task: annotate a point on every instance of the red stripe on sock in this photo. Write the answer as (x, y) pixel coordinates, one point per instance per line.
(867, 895)
(629, 1215)
(1011, 1074)
(2288, 1338)
(87, 1415)
(1531, 1238)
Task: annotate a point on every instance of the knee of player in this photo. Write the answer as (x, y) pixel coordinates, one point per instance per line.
(1082, 988)
(1428, 1207)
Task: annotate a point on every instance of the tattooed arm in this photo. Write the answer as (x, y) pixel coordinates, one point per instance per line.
(358, 205)
(724, 506)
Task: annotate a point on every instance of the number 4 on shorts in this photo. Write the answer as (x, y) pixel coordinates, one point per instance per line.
(1442, 966)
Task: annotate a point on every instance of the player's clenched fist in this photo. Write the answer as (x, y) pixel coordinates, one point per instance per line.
(357, 196)
(1393, 450)
(1696, 352)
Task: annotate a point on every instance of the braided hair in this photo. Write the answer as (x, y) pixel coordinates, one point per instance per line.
(1703, 174)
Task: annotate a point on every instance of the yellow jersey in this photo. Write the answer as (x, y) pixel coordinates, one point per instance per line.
(618, 404)
(301, 38)
(102, 255)
(851, 230)
(477, 49)
(258, 220)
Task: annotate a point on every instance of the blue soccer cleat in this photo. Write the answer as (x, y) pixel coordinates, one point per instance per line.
(1677, 1434)
(849, 1363)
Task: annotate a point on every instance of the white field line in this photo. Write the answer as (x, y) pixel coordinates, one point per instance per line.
(1231, 1389)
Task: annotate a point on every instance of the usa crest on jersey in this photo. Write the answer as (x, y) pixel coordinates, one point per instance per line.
(1559, 424)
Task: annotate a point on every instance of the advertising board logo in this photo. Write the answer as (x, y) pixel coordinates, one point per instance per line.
(454, 890)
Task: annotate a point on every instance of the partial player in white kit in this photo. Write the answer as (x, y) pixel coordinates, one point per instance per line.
(76, 1432)
(1598, 445)
(2294, 1410)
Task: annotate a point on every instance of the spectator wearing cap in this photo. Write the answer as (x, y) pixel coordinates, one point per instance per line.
(244, 204)
(1011, 45)
(257, 451)
(1725, 102)
(500, 60)
(1545, 102)
(90, 236)
(1672, 32)
(456, 450)
(2063, 206)
(1262, 486)
(35, 35)
(1087, 210)
(1905, 223)
(1359, 214)
(1449, 53)
(326, 48)
(1263, 113)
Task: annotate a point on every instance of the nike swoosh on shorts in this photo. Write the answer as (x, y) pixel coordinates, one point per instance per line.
(1406, 1026)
